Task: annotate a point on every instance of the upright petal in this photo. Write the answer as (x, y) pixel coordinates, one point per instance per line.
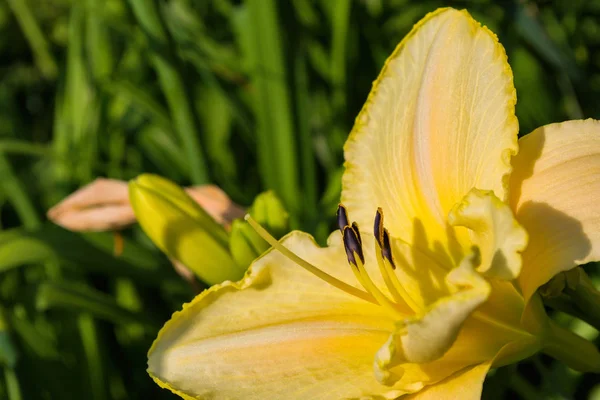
(438, 122)
(278, 333)
(554, 191)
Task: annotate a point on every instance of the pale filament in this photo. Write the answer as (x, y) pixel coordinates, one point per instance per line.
(399, 306)
(391, 281)
(308, 266)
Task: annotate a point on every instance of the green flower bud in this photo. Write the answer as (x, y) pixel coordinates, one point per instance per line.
(182, 229)
(245, 244)
(268, 211)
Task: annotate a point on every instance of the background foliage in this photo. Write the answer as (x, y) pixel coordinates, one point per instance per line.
(248, 94)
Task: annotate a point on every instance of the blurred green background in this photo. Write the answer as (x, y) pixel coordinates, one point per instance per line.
(248, 94)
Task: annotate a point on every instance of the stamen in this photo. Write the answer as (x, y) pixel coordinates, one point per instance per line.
(356, 260)
(395, 287)
(308, 266)
(386, 249)
(352, 245)
(378, 227)
(384, 252)
(355, 227)
(342, 217)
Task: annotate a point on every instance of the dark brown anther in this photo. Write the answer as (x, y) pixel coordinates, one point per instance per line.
(352, 246)
(378, 227)
(355, 227)
(342, 217)
(386, 249)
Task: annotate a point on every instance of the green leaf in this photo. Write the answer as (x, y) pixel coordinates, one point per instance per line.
(81, 298)
(258, 31)
(92, 252)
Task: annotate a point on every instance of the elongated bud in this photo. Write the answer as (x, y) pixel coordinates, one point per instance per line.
(182, 229)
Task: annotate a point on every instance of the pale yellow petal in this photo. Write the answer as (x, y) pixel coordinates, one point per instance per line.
(495, 348)
(428, 336)
(280, 333)
(422, 273)
(555, 189)
(465, 384)
(494, 230)
(438, 122)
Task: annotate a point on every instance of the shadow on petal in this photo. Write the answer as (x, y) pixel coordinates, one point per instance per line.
(557, 242)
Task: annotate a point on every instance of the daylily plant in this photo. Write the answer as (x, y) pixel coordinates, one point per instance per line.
(426, 300)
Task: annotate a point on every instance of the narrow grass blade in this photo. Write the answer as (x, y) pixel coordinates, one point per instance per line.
(173, 87)
(260, 35)
(16, 194)
(13, 387)
(88, 332)
(81, 298)
(41, 52)
(307, 158)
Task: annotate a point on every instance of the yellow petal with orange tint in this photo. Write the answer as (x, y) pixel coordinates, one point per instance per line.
(279, 333)
(555, 188)
(427, 336)
(438, 122)
(465, 385)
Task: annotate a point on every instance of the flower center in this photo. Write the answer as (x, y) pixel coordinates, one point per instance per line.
(398, 302)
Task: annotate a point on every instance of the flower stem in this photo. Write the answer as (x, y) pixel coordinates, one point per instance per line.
(573, 350)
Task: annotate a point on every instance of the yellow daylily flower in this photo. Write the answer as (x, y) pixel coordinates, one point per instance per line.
(425, 304)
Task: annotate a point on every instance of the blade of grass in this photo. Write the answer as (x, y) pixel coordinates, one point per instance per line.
(172, 84)
(276, 146)
(92, 252)
(159, 146)
(91, 349)
(41, 52)
(98, 46)
(82, 298)
(15, 192)
(12, 384)
(217, 119)
(23, 147)
(8, 353)
(341, 21)
(307, 158)
(143, 100)
(40, 341)
(23, 250)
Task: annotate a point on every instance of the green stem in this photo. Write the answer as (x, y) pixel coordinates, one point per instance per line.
(173, 86)
(587, 299)
(565, 304)
(571, 349)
